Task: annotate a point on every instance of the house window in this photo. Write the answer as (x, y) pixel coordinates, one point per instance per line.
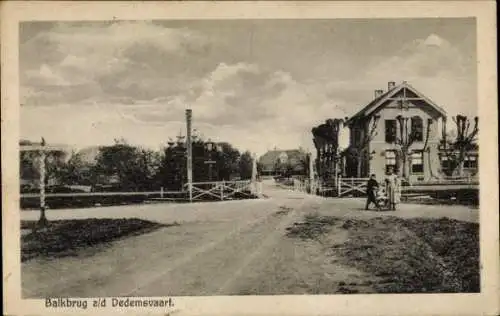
(470, 162)
(445, 163)
(390, 160)
(417, 128)
(417, 162)
(390, 131)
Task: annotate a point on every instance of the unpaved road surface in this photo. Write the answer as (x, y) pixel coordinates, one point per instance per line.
(223, 248)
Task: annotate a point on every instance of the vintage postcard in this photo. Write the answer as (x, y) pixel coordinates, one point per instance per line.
(250, 158)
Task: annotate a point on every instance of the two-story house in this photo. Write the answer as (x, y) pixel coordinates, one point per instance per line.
(275, 161)
(382, 147)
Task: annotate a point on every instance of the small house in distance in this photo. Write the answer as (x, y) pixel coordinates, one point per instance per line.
(381, 149)
(281, 162)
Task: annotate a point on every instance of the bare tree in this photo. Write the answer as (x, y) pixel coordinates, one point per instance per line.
(455, 150)
(427, 149)
(404, 140)
(360, 150)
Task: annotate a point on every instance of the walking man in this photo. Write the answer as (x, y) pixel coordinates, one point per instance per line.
(370, 191)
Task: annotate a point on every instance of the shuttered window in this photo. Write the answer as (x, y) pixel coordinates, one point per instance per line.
(390, 160)
(417, 128)
(390, 131)
(417, 162)
(470, 162)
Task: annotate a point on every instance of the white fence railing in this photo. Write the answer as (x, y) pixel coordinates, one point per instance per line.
(160, 193)
(221, 190)
(226, 190)
(350, 186)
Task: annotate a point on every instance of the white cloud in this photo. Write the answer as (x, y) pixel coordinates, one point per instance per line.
(271, 109)
(122, 58)
(135, 80)
(434, 67)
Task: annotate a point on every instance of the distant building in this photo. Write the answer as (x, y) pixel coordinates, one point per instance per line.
(278, 162)
(405, 100)
(89, 154)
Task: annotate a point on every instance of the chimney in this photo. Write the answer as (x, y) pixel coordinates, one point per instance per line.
(378, 93)
(391, 85)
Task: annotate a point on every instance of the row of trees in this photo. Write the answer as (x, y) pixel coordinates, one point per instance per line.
(326, 142)
(454, 146)
(132, 168)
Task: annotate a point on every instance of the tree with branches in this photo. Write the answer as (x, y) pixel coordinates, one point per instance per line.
(456, 149)
(134, 167)
(326, 142)
(406, 136)
(359, 151)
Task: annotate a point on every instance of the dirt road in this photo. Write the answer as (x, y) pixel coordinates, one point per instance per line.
(224, 248)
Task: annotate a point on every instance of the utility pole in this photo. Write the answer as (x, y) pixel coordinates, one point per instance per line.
(311, 173)
(189, 147)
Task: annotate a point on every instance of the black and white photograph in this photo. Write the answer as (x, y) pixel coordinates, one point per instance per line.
(167, 158)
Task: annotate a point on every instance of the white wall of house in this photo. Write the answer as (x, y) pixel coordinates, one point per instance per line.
(379, 146)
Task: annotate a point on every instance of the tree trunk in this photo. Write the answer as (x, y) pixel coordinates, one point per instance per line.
(460, 166)
(42, 221)
(406, 168)
(402, 165)
(358, 167)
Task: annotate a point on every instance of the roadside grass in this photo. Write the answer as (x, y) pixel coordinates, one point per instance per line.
(62, 238)
(402, 255)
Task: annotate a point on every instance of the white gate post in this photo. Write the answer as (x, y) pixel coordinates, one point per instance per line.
(221, 186)
(339, 186)
(253, 184)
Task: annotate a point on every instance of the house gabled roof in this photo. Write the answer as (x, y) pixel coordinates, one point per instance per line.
(269, 159)
(376, 103)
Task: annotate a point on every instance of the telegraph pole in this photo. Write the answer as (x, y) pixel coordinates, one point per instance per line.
(311, 173)
(189, 148)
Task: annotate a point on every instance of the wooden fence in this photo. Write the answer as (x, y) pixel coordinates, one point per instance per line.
(202, 191)
(357, 186)
(226, 190)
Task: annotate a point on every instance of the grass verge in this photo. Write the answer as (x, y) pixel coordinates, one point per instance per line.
(403, 255)
(75, 237)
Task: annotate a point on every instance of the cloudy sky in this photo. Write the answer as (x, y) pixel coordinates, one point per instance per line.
(255, 83)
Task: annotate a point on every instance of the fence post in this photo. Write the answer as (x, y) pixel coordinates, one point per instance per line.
(339, 186)
(221, 186)
(161, 192)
